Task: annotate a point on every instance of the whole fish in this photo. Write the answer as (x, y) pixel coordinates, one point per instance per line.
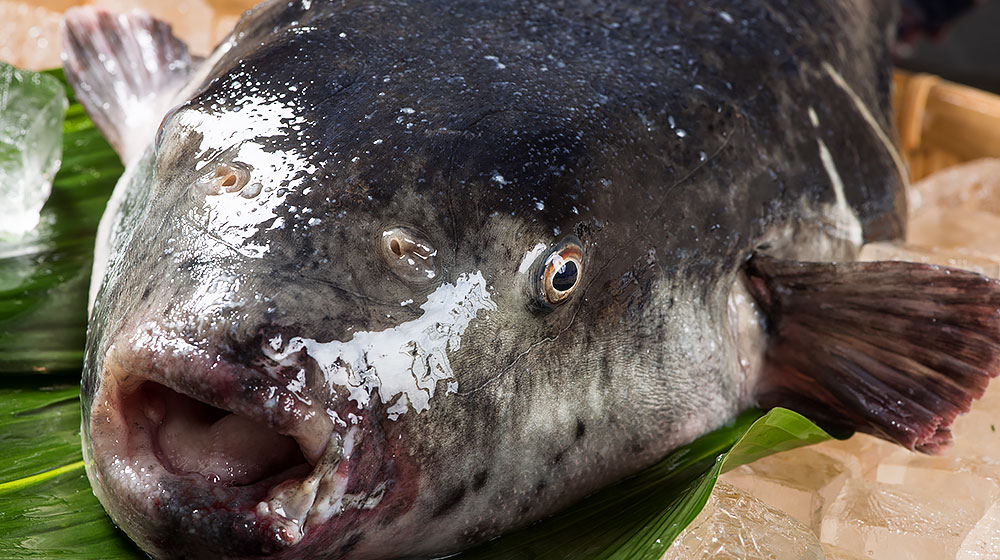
(388, 279)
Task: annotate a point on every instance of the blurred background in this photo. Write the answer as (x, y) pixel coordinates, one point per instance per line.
(967, 51)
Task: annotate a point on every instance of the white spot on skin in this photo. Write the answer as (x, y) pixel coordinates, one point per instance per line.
(813, 118)
(403, 363)
(407, 111)
(726, 17)
(498, 178)
(255, 117)
(495, 60)
(530, 257)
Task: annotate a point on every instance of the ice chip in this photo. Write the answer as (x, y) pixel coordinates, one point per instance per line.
(735, 525)
(901, 521)
(837, 553)
(983, 541)
(799, 482)
(954, 257)
(32, 107)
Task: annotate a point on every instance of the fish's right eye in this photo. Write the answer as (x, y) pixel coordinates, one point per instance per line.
(561, 272)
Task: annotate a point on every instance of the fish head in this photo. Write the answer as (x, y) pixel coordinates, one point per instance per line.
(360, 302)
(323, 331)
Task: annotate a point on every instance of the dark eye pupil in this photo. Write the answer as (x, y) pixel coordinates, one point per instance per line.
(565, 278)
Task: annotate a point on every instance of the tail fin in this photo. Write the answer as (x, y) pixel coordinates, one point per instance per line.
(894, 349)
(125, 70)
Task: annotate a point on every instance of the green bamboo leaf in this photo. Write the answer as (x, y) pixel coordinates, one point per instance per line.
(641, 516)
(47, 509)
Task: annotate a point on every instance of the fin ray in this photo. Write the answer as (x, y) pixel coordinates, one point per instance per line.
(125, 70)
(894, 349)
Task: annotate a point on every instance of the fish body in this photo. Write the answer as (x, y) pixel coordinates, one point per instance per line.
(391, 279)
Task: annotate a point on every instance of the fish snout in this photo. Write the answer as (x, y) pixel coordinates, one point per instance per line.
(186, 440)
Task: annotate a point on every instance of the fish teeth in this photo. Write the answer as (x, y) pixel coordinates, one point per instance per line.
(293, 502)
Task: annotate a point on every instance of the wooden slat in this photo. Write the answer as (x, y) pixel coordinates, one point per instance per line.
(941, 123)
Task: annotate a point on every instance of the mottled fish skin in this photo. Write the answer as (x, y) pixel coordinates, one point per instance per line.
(672, 138)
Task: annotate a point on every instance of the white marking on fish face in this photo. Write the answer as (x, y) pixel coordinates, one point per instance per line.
(530, 257)
(276, 173)
(844, 221)
(403, 363)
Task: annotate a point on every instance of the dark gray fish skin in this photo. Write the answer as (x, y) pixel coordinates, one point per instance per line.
(672, 138)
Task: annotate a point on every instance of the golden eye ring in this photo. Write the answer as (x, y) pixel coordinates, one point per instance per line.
(562, 272)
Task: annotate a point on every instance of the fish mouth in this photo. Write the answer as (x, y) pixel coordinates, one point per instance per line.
(192, 438)
(236, 458)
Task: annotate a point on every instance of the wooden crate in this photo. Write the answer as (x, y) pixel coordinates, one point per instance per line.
(941, 123)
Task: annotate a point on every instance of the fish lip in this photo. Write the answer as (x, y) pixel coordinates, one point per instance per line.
(155, 355)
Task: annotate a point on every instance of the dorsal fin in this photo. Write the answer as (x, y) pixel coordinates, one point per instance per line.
(125, 70)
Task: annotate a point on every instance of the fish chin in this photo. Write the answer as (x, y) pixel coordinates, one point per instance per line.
(239, 475)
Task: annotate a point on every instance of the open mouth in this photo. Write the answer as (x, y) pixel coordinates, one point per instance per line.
(237, 459)
(192, 438)
(240, 457)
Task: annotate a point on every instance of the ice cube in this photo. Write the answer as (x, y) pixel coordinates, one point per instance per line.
(974, 185)
(975, 230)
(32, 107)
(735, 525)
(897, 521)
(977, 434)
(860, 454)
(958, 208)
(799, 482)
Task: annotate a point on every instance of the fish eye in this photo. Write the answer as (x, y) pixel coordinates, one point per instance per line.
(561, 271)
(408, 253)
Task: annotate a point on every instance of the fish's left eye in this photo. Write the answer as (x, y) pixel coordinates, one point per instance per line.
(561, 271)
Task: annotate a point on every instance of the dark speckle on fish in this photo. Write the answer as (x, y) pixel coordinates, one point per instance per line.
(390, 279)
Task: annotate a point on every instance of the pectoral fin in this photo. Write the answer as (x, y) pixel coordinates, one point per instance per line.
(894, 349)
(125, 70)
